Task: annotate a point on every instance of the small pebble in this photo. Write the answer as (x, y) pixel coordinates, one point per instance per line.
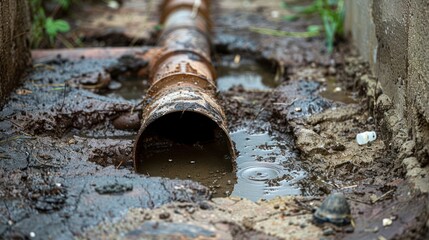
(204, 205)
(276, 206)
(286, 213)
(192, 162)
(328, 231)
(298, 109)
(190, 210)
(32, 234)
(349, 229)
(164, 215)
(147, 217)
(316, 128)
(303, 225)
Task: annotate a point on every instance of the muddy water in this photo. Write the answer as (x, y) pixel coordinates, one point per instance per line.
(236, 71)
(129, 88)
(334, 92)
(201, 163)
(265, 166)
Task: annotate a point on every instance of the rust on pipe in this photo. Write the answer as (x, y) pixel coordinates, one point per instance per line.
(180, 105)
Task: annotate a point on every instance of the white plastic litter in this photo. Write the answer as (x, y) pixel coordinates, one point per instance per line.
(366, 137)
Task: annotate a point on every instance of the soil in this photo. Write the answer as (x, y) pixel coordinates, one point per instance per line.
(66, 166)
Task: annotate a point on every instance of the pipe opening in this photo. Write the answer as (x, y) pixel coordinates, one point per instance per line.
(186, 145)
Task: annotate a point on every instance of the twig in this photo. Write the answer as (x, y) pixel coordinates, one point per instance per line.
(45, 164)
(382, 196)
(64, 96)
(13, 138)
(117, 167)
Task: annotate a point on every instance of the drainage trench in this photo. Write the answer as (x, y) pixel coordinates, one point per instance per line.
(182, 123)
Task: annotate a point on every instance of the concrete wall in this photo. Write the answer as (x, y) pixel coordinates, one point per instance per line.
(393, 36)
(14, 44)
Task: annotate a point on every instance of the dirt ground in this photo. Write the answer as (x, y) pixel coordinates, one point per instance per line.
(66, 166)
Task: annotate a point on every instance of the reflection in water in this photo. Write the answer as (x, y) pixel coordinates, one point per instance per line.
(201, 163)
(333, 92)
(127, 87)
(247, 73)
(266, 168)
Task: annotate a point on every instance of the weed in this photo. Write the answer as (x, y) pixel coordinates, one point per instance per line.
(312, 31)
(53, 27)
(330, 11)
(46, 26)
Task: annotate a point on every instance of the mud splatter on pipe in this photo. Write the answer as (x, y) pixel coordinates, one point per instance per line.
(181, 107)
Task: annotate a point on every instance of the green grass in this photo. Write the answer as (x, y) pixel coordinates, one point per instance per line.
(330, 11)
(47, 27)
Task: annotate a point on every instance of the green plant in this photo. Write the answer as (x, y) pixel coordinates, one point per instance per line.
(332, 14)
(53, 27)
(312, 31)
(47, 27)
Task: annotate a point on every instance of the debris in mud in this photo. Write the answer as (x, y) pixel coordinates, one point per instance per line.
(48, 198)
(128, 121)
(387, 222)
(161, 230)
(365, 137)
(114, 188)
(224, 218)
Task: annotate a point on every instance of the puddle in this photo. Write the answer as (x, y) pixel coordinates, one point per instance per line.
(266, 166)
(201, 163)
(234, 71)
(334, 92)
(130, 88)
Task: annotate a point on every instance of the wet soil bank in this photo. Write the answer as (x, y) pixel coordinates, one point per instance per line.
(66, 142)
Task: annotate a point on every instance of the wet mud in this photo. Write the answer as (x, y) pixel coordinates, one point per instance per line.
(66, 167)
(62, 160)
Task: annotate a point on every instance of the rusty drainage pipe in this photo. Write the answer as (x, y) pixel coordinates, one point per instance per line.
(180, 104)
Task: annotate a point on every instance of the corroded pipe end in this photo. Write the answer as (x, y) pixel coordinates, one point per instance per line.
(185, 119)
